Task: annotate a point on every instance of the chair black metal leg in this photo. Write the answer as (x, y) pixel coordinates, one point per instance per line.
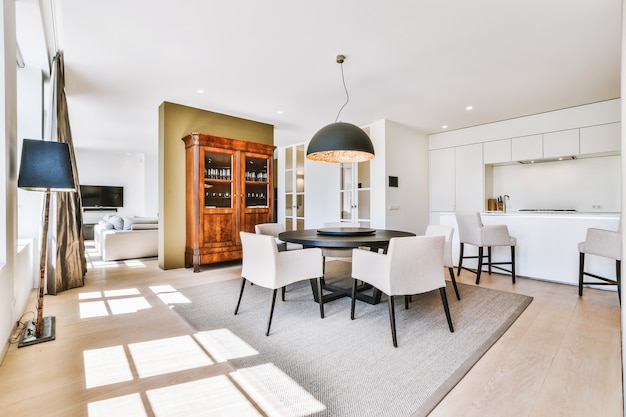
(480, 264)
(407, 298)
(282, 293)
(321, 297)
(353, 299)
(513, 264)
(456, 289)
(444, 299)
(269, 321)
(489, 259)
(581, 269)
(458, 273)
(243, 285)
(392, 320)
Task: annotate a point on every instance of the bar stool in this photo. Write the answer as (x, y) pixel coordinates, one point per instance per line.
(607, 244)
(473, 232)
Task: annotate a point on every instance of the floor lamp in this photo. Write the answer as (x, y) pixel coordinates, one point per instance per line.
(45, 166)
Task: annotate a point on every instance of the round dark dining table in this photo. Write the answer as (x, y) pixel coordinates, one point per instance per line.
(343, 237)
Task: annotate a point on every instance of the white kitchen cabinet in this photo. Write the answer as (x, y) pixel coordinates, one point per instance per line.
(561, 143)
(600, 139)
(497, 151)
(442, 179)
(469, 178)
(526, 148)
(457, 179)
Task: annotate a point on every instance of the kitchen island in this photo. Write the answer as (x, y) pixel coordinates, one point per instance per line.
(547, 243)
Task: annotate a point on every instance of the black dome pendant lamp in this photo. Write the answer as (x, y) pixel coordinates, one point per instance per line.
(340, 141)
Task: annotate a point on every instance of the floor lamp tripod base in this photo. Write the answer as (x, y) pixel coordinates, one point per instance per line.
(29, 337)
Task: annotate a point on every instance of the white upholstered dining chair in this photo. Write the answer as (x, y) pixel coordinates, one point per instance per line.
(604, 243)
(473, 232)
(274, 229)
(448, 233)
(412, 265)
(265, 266)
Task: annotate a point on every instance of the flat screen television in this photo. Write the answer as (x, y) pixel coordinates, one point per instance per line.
(102, 196)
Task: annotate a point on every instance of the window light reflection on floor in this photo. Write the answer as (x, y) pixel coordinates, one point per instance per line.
(122, 292)
(169, 294)
(275, 392)
(106, 366)
(216, 396)
(223, 345)
(128, 406)
(158, 357)
(89, 295)
(128, 305)
(90, 309)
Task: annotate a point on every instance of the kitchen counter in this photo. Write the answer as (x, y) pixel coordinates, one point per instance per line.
(547, 242)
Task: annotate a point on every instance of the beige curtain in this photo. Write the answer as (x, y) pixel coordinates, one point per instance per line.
(67, 264)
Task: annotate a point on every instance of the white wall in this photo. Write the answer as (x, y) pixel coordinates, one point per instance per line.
(30, 91)
(405, 157)
(128, 170)
(8, 155)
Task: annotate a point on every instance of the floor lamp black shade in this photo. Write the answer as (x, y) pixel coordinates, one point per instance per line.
(340, 142)
(45, 166)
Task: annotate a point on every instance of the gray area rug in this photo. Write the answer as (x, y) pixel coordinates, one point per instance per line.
(350, 368)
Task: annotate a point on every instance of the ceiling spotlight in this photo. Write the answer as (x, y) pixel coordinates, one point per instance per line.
(469, 108)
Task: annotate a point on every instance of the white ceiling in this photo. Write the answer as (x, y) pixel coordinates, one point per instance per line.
(415, 62)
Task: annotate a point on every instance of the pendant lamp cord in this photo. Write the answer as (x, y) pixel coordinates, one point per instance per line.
(346, 90)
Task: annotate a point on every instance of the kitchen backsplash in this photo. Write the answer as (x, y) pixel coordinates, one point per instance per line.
(586, 185)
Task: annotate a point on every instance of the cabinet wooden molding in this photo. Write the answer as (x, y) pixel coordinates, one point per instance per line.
(229, 189)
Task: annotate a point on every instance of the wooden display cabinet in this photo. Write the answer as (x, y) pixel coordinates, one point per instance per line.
(229, 189)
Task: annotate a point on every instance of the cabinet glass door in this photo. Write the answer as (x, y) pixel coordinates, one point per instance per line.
(294, 187)
(218, 180)
(355, 193)
(256, 182)
(346, 190)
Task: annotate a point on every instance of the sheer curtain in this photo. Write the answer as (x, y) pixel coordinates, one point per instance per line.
(66, 258)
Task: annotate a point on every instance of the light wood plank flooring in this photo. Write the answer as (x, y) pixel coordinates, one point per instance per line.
(560, 358)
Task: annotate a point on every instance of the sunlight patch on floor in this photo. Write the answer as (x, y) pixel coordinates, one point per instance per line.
(93, 309)
(130, 405)
(106, 366)
(275, 392)
(158, 357)
(216, 396)
(169, 295)
(223, 345)
(121, 301)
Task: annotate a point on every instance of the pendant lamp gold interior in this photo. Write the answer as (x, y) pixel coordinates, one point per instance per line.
(340, 142)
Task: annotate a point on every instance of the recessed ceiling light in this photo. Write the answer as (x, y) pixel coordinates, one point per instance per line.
(200, 91)
(444, 126)
(469, 108)
(279, 112)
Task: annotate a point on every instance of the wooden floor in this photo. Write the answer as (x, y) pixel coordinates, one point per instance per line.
(120, 347)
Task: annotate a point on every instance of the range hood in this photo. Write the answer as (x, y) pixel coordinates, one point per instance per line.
(538, 161)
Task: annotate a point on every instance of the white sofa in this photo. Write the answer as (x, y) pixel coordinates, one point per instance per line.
(117, 237)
